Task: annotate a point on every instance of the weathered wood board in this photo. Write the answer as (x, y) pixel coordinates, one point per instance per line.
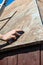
(25, 56)
(40, 5)
(22, 15)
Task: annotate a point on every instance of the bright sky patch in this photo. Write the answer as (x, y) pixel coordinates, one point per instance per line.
(8, 2)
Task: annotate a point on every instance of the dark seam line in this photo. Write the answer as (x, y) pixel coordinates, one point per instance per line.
(39, 12)
(8, 17)
(4, 19)
(17, 60)
(7, 21)
(41, 1)
(40, 54)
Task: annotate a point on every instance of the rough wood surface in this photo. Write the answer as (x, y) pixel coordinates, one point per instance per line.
(29, 55)
(42, 54)
(8, 60)
(40, 5)
(22, 15)
(3, 62)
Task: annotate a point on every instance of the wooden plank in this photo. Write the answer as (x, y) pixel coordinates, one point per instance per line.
(2, 23)
(8, 58)
(12, 60)
(26, 18)
(42, 54)
(9, 10)
(29, 56)
(3, 61)
(40, 5)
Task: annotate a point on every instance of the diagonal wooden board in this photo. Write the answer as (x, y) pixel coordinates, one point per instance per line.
(27, 18)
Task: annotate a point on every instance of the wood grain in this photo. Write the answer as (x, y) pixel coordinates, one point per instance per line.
(12, 60)
(42, 54)
(40, 5)
(26, 18)
(29, 56)
(3, 62)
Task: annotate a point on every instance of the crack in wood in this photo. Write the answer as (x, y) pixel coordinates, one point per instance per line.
(7, 21)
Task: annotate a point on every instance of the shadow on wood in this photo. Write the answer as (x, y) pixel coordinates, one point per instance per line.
(24, 49)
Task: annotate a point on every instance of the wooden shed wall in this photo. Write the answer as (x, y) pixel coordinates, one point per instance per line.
(29, 55)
